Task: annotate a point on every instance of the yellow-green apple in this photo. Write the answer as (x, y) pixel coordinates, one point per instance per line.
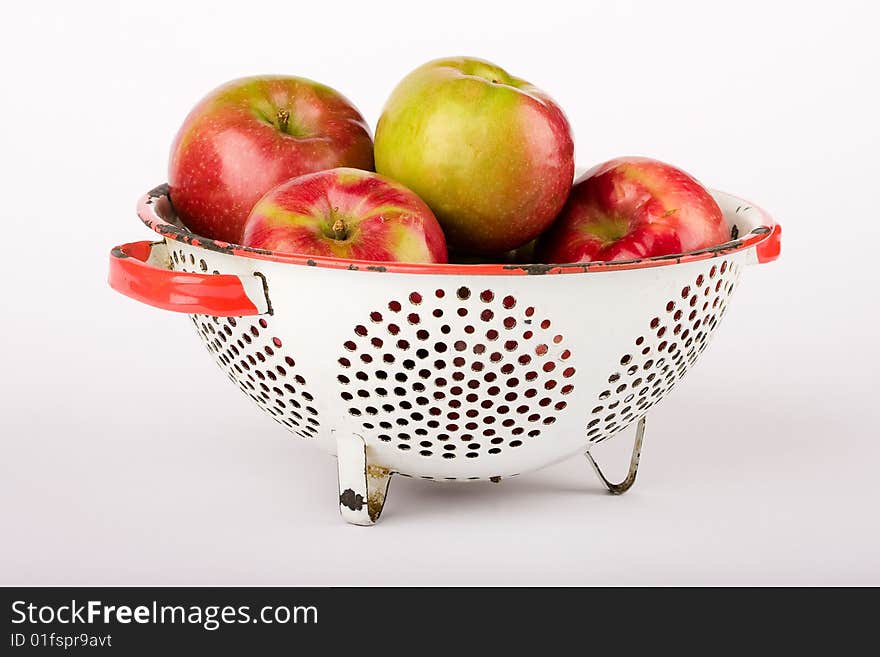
(491, 154)
(633, 207)
(251, 134)
(346, 213)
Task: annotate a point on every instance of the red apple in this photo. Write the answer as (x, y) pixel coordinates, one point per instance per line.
(491, 154)
(633, 207)
(346, 213)
(251, 134)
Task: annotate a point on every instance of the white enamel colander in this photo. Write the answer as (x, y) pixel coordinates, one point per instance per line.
(444, 372)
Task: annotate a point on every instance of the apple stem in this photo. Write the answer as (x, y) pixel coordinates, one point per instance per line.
(283, 118)
(338, 229)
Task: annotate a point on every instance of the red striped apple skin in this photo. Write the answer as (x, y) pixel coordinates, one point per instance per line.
(630, 208)
(490, 153)
(251, 134)
(346, 213)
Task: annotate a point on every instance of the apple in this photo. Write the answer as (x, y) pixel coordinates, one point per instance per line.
(491, 154)
(346, 213)
(629, 208)
(251, 134)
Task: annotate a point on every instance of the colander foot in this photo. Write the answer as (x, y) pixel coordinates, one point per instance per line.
(626, 484)
(362, 485)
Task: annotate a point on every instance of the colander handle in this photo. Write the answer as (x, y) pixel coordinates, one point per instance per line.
(768, 250)
(140, 270)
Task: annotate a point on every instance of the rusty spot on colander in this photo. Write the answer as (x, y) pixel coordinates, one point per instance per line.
(377, 488)
(351, 500)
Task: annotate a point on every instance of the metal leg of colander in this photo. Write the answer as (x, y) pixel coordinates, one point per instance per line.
(362, 485)
(626, 484)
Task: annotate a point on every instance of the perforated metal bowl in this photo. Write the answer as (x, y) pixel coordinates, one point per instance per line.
(446, 372)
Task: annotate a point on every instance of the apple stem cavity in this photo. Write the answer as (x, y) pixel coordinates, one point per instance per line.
(283, 117)
(339, 230)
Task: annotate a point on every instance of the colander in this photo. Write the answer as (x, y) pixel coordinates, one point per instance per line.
(444, 372)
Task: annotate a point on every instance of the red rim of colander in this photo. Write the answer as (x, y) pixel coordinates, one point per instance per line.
(149, 214)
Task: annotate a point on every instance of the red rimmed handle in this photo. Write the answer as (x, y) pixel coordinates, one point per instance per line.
(768, 250)
(137, 270)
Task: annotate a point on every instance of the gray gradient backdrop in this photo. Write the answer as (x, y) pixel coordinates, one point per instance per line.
(127, 458)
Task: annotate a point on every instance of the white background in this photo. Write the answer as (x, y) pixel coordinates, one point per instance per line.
(128, 459)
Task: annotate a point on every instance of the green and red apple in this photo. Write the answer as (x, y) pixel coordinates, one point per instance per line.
(248, 136)
(346, 213)
(491, 154)
(630, 208)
